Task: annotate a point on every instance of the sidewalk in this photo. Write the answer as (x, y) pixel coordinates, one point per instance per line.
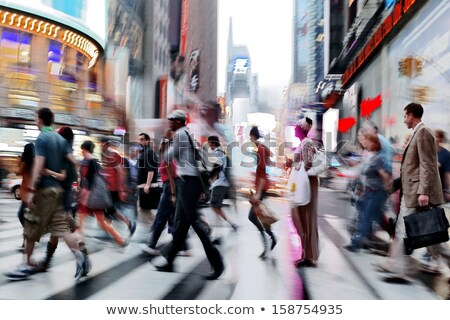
(344, 275)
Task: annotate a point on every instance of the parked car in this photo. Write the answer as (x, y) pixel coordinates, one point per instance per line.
(14, 187)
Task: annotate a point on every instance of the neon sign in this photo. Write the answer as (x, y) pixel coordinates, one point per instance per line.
(401, 9)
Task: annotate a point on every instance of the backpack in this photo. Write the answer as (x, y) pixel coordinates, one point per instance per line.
(132, 169)
(229, 175)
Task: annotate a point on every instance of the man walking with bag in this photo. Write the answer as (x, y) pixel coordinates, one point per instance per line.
(188, 192)
(420, 186)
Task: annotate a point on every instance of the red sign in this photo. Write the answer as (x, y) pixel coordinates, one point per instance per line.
(346, 124)
(407, 5)
(184, 27)
(163, 97)
(370, 105)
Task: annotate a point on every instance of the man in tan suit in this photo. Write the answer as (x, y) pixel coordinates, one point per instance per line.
(420, 185)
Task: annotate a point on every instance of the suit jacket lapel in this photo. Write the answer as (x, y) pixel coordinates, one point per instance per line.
(409, 142)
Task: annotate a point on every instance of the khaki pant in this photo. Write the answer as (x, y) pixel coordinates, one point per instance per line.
(47, 214)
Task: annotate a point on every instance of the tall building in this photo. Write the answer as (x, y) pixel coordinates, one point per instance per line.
(137, 54)
(241, 83)
(308, 61)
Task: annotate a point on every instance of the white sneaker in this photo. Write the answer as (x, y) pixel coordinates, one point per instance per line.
(150, 251)
(437, 266)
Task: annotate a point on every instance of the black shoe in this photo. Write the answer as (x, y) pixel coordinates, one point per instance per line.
(274, 243)
(215, 274)
(164, 268)
(132, 228)
(263, 256)
(351, 248)
(87, 265)
(396, 280)
(304, 263)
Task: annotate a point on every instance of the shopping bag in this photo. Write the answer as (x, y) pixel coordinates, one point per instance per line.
(426, 227)
(298, 187)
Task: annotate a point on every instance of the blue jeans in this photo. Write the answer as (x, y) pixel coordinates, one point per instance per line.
(165, 213)
(372, 210)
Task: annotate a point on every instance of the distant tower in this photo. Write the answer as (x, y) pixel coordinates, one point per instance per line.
(238, 72)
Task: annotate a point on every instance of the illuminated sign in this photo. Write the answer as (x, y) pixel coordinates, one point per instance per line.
(184, 27)
(86, 16)
(50, 30)
(241, 65)
(400, 9)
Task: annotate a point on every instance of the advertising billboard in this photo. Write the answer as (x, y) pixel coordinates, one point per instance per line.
(86, 16)
(241, 65)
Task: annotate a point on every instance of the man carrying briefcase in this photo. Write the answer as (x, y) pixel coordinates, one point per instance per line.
(420, 186)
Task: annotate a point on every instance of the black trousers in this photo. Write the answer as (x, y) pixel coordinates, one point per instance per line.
(186, 215)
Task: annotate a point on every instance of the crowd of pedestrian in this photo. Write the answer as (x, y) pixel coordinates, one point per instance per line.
(122, 186)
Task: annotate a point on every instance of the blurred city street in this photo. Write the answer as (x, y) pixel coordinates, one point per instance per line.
(126, 273)
(119, 273)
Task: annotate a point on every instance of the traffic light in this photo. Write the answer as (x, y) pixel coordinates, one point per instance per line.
(418, 66)
(410, 66)
(405, 67)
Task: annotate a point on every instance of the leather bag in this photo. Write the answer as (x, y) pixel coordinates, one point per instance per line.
(426, 227)
(150, 200)
(267, 216)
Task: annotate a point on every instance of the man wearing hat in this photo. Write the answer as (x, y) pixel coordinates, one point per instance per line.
(220, 185)
(188, 193)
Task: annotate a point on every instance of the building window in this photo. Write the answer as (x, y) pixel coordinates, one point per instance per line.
(15, 48)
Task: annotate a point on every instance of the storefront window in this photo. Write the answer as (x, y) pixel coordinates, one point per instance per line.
(63, 80)
(15, 48)
(60, 62)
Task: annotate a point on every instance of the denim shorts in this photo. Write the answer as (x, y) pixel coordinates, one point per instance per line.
(217, 196)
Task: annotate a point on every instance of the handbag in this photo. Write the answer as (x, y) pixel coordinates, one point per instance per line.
(150, 200)
(298, 187)
(99, 196)
(267, 216)
(426, 227)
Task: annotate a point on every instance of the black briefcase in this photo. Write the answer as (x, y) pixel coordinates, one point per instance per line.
(148, 201)
(426, 227)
